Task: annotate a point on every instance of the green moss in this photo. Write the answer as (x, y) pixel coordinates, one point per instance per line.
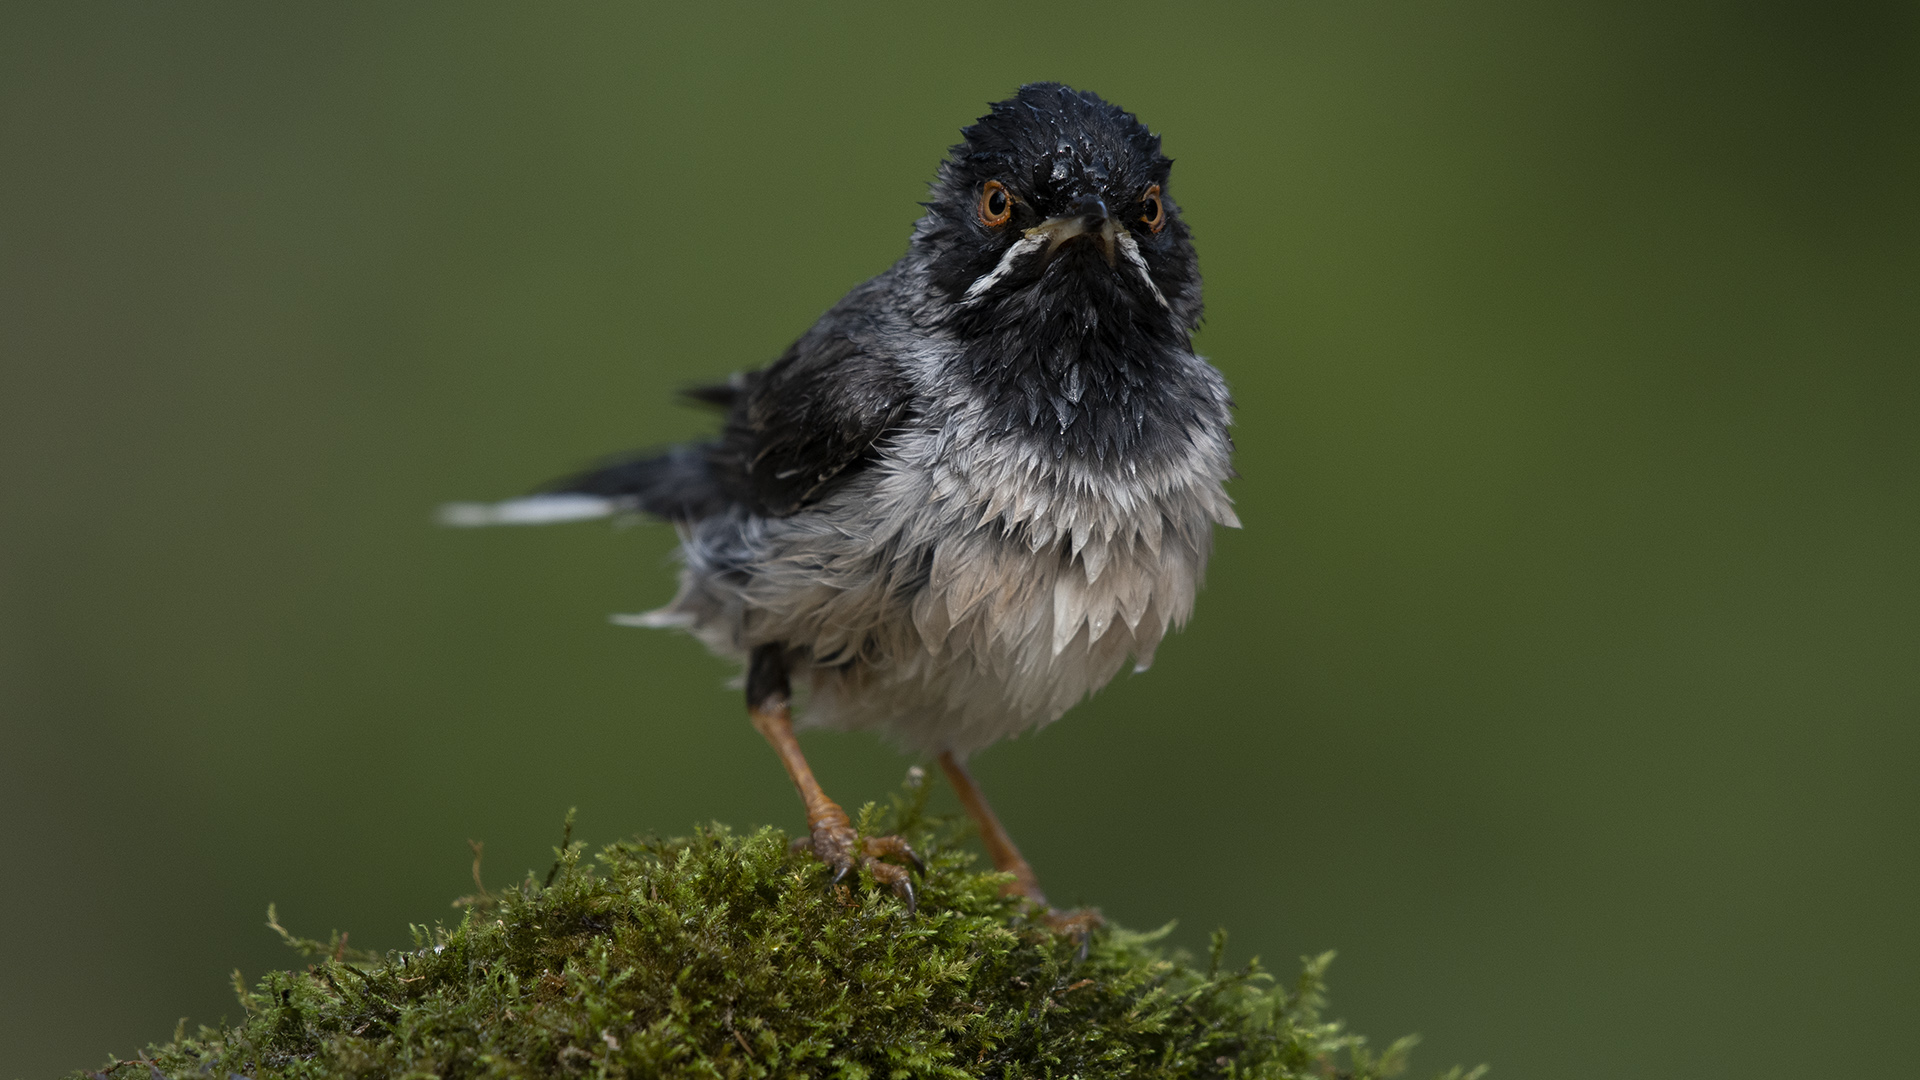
(730, 956)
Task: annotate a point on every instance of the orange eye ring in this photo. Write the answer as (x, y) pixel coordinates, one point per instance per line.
(1156, 210)
(996, 203)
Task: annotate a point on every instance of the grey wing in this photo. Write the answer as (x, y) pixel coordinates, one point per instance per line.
(810, 422)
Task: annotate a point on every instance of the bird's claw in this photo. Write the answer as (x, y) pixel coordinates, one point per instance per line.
(1078, 923)
(833, 841)
(894, 878)
(883, 847)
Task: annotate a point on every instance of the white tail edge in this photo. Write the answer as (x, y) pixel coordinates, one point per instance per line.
(657, 619)
(532, 510)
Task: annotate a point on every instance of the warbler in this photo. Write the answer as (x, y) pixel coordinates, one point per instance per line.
(975, 488)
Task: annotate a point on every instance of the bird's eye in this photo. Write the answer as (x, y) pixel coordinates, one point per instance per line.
(1153, 211)
(996, 205)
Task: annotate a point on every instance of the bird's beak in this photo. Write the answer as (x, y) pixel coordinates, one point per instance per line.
(1089, 218)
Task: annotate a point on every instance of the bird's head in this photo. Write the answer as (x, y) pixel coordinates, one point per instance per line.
(1056, 207)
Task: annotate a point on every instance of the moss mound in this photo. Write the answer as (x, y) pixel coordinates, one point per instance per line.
(729, 956)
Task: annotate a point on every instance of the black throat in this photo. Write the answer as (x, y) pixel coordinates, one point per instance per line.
(1080, 363)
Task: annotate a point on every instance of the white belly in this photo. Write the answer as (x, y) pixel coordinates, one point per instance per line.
(952, 604)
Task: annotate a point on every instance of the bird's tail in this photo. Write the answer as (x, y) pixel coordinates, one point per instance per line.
(677, 484)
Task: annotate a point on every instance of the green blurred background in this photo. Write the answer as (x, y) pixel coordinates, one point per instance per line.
(1564, 677)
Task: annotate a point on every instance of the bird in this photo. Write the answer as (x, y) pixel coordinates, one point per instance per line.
(974, 489)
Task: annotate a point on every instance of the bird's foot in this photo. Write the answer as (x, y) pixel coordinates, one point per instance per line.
(832, 839)
(1076, 923)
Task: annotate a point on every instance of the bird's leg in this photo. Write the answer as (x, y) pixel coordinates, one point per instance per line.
(1007, 858)
(831, 835)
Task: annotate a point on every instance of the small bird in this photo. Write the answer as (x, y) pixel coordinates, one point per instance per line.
(974, 488)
